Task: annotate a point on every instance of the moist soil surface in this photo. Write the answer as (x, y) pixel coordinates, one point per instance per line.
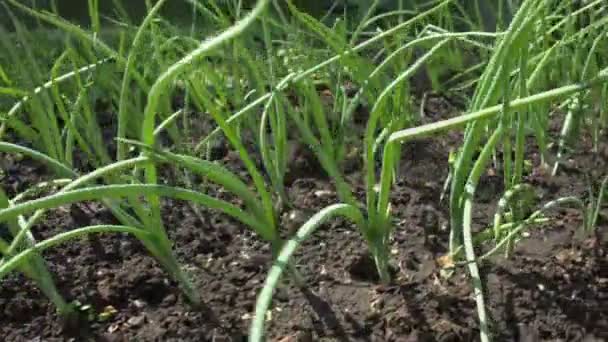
(553, 287)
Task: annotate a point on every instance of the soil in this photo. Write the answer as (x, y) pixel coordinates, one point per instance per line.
(554, 287)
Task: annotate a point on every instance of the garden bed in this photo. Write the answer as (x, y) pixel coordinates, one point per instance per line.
(554, 287)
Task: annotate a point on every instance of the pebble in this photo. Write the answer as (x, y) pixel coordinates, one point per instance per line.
(169, 300)
(112, 328)
(136, 320)
(139, 303)
(323, 193)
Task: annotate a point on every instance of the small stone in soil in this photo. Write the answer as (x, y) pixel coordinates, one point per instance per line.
(323, 193)
(169, 300)
(112, 328)
(112, 337)
(136, 320)
(104, 288)
(139, 303)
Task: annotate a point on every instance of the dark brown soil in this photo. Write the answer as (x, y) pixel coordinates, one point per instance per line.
(554, 287)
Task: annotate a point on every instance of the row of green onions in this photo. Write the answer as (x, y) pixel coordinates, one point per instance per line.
(511, 101)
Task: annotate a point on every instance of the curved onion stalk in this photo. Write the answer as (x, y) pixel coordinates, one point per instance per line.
(492, 111)
(40, 187)
(163, 82)
(378, 230)
(130, 64)
(469, 250)
(386, 15)
(161, 85)
(275, 160)
(256, 332)
(167, 122)
(120, 191)
(108, 170)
